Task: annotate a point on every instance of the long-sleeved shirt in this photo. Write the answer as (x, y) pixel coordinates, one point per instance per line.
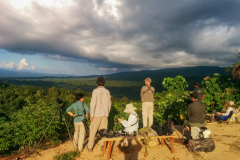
(196, 112)
(78, 108)
(227, 111)
(147, 94)
(100, 104)
(131, 124)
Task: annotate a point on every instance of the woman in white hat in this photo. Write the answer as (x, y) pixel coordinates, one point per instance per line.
(225, 114)
(131, 124)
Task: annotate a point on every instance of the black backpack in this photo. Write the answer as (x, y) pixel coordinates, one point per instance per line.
(158, 129)
(168, 127)
(202, 144)
(108, 133)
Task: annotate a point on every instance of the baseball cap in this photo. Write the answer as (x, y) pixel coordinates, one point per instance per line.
(148, 79)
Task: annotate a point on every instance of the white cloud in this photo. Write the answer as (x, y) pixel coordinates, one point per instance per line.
(24, 65)
(9, 65)
(107, 69)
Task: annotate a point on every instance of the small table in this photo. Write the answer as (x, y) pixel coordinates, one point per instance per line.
(110, 140)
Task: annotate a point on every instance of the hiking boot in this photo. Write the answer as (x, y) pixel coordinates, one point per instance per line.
(89, 149)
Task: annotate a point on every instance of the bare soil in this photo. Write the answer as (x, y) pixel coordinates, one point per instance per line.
(225, 136)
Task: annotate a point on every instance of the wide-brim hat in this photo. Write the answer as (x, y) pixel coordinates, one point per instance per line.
(130, 108)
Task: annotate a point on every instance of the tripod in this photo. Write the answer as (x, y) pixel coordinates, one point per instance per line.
(61, 116)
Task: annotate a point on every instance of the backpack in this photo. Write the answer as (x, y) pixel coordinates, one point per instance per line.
(202, 144)
(168, 127)
(108, 133)
(158, 129)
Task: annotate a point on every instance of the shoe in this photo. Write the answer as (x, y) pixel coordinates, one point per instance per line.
(89, 149)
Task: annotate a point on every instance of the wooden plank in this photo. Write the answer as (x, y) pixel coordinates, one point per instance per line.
(104, 146)
(109, 150)
(133, 137)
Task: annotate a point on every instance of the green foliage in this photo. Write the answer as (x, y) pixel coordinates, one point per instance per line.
(213, 93)
(219, 90)
(172, 102)
(67, 156)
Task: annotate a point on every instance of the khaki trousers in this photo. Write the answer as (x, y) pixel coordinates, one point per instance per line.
(147, 113)
(79, 135)
(98, 123)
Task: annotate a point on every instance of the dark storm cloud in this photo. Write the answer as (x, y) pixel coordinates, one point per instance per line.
(134, 34)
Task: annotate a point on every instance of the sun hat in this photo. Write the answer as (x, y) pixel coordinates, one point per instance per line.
(231, 103)
(148, 79)
(129, 108)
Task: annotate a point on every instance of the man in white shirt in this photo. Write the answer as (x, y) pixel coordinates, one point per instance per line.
(131, 124)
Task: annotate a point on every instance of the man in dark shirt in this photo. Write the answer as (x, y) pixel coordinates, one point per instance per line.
(196, 113)
(199, 91)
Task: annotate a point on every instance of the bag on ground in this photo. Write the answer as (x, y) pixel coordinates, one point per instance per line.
(108, 133)
(202, 144)
(168, 127)
(158, 129)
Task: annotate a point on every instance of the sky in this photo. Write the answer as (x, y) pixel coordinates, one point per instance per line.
(89, 37)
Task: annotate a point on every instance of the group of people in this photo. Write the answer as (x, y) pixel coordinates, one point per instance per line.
(100, 106)
(197, 110)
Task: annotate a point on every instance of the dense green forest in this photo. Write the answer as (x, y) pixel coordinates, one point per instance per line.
(27, 109)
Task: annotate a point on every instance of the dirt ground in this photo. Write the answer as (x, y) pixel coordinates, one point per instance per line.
(225, 136)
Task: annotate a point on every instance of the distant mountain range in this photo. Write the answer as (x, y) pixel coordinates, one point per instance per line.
(200, 71)
(18, 74)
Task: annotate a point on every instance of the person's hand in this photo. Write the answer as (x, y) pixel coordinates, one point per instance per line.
(74, 115)
(219, 113)
(120, 120)
(91, 119)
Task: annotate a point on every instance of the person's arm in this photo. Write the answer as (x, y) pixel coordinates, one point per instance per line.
(86, 109)
(109, 102)
(189, 112)
(71, 114)
(131, 120)
(69, 111)
(93, 104)
(227, 112)
(141, 93)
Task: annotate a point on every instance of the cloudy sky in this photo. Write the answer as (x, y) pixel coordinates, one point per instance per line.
(85, 37)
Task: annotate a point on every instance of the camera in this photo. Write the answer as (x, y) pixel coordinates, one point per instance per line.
(59, 101)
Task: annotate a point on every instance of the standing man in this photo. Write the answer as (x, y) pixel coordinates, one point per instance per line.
(100, 106)
(147, 98)
(199, 91)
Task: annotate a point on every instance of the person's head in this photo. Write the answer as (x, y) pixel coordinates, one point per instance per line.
(195, 85)
(79, 96)
(194, 96)
(148, 81)
(129, 108)
(230, 103)
(100, 81)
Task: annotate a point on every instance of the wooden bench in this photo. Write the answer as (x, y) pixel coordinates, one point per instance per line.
(138, 137)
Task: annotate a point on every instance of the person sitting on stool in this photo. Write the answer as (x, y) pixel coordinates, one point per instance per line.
(131, 125)
(196, 113)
